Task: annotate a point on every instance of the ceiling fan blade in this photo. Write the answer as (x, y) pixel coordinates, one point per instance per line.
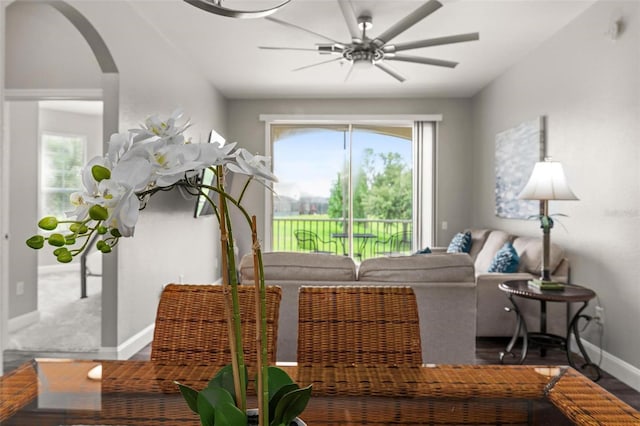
(288, 24)
(432, 42)
(346, 77)
(420, 60)
(350, 18)
(287, 48)
(389, 71)
(316, 64)
(408, 21)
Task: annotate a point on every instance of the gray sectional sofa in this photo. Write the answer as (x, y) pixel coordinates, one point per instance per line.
(444, 285)
(458, 300)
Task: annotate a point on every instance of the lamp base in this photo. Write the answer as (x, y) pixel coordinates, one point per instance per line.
(545, 284)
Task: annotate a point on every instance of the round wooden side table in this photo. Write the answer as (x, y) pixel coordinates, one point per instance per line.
(570, 294)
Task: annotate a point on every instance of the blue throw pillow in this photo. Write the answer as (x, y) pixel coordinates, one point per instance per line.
(460, 243)
(425, 250)
(506, 260)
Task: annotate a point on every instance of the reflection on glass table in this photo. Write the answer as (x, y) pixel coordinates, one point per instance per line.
(56, 392)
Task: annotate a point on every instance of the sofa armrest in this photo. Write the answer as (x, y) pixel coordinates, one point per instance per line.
(439, 250)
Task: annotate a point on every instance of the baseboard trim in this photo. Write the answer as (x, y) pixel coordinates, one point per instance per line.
(613, 365)
(24, 320)
(131, 346)
(60, 268)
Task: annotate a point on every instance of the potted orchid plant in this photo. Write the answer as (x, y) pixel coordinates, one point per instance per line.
(157, 157)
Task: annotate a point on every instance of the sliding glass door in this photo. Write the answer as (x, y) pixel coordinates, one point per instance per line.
(344, 188)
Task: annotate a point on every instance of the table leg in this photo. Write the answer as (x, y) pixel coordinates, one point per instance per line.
(573, 328)
(521, 325)
(543, 325)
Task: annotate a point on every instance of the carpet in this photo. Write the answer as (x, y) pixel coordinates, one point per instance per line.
(67, 323)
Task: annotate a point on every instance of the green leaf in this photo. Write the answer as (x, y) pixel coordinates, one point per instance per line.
(205, 410)
(48, 223)
(291, 405)
(190, 395)
(227, 414)
(224, 379)
(277, 379)
(56, 240)
(97, 212)
(36, 242)
(274, 398)
(100, 172)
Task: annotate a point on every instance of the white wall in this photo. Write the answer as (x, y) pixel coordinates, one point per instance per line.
(154, 78)
(453, 155)
(588, 86)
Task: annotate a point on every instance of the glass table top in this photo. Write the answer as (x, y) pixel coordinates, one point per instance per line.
(75, 392)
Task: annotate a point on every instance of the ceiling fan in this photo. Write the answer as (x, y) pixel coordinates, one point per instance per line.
(377, 50)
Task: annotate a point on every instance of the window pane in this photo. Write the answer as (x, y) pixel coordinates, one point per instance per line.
(343, 189)
(62, 158)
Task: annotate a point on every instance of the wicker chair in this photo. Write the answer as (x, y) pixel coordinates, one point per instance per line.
(191, 324)
(359, 324)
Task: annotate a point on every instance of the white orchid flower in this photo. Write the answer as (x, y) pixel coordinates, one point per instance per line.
(167, 129)
(119, 145)
(255, 165)
(214, 154)
(134, 172)
(122, 203)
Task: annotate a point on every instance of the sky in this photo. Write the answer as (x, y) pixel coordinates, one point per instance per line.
(307, 163)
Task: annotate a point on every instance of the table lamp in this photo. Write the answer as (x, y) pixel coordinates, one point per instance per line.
(547, 182)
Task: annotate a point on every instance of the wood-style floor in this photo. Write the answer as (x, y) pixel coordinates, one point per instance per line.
(487, 352)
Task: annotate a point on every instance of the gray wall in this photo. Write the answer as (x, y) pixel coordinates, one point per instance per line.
(154, 78)
(588, 86)
(454, 160)
(23, 138)
(3, 243)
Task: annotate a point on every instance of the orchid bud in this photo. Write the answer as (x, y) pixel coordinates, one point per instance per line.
(97, 212)
(100, 173)
(48, 223)
(36, 242)
(64, 256)
(56, 240)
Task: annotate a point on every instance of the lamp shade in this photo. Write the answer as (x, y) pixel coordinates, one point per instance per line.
(547, 182)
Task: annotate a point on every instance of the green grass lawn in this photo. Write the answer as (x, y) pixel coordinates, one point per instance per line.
(323, 226)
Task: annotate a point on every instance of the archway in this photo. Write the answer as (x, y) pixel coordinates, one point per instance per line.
(109, 93)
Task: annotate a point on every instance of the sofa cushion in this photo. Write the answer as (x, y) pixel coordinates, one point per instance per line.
(478, 238)
(418, 269)
(530, 251)
(506, 260)
(288, 266)
(460, 243)
(495, 240)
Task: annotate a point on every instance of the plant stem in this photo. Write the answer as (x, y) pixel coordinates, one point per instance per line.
(231, 305)
(261, 328)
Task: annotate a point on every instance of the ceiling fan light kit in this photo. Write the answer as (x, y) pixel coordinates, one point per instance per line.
(378, 51)
(216, 7)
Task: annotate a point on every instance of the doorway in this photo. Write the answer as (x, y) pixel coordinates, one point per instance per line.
(67, 133)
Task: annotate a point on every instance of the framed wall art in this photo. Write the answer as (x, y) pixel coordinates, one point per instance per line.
(517, 151)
